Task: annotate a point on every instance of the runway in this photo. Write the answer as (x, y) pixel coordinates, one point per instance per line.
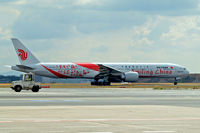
(100, 96)
(100, 110)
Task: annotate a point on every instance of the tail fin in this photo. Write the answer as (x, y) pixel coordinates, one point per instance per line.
(24, 55)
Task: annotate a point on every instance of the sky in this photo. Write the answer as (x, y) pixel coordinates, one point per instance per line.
(151, 31)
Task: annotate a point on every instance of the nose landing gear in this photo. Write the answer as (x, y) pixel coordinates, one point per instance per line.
(176, 81)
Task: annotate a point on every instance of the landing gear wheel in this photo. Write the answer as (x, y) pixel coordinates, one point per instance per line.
(106, 83)
(35, 89)
(100, 82)
(94, 82)
(175, 83)
(18, 88)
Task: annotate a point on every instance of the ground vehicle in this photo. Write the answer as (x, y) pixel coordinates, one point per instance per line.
(27, 83)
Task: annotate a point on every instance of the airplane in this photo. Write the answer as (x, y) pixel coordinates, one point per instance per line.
(100, 73)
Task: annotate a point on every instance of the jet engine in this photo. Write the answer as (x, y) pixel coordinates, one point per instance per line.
(130, 76)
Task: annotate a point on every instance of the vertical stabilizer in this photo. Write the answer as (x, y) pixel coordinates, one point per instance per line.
(24, 55)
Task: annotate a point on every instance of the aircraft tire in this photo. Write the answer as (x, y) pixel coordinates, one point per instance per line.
(100, 83)
(106, 83)
(94, 82)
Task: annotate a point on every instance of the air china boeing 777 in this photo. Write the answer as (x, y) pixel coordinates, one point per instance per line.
(101, 73)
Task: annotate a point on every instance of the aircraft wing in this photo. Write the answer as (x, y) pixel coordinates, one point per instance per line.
(107, 70)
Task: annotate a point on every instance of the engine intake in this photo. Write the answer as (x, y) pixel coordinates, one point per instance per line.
(130, 76)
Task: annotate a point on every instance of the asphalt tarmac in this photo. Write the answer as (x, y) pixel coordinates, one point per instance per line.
(100, 110)
(100, 96)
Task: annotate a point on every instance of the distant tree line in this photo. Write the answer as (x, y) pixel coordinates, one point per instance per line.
(9, 79)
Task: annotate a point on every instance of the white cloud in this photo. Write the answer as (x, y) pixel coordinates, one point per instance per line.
(86, 2)
(5, 34)
(19, 2)
(184, 31)
(140, 34)
(8, 16)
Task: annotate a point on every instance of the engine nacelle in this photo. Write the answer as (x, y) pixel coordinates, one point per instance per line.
(130, 76)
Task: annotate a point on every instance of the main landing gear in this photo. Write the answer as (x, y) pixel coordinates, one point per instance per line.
(100, 82)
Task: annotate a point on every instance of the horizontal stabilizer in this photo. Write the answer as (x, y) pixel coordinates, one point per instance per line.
(24, 67)
(8, 66)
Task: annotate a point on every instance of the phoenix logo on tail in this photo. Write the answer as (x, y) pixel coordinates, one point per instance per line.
(23, 55)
